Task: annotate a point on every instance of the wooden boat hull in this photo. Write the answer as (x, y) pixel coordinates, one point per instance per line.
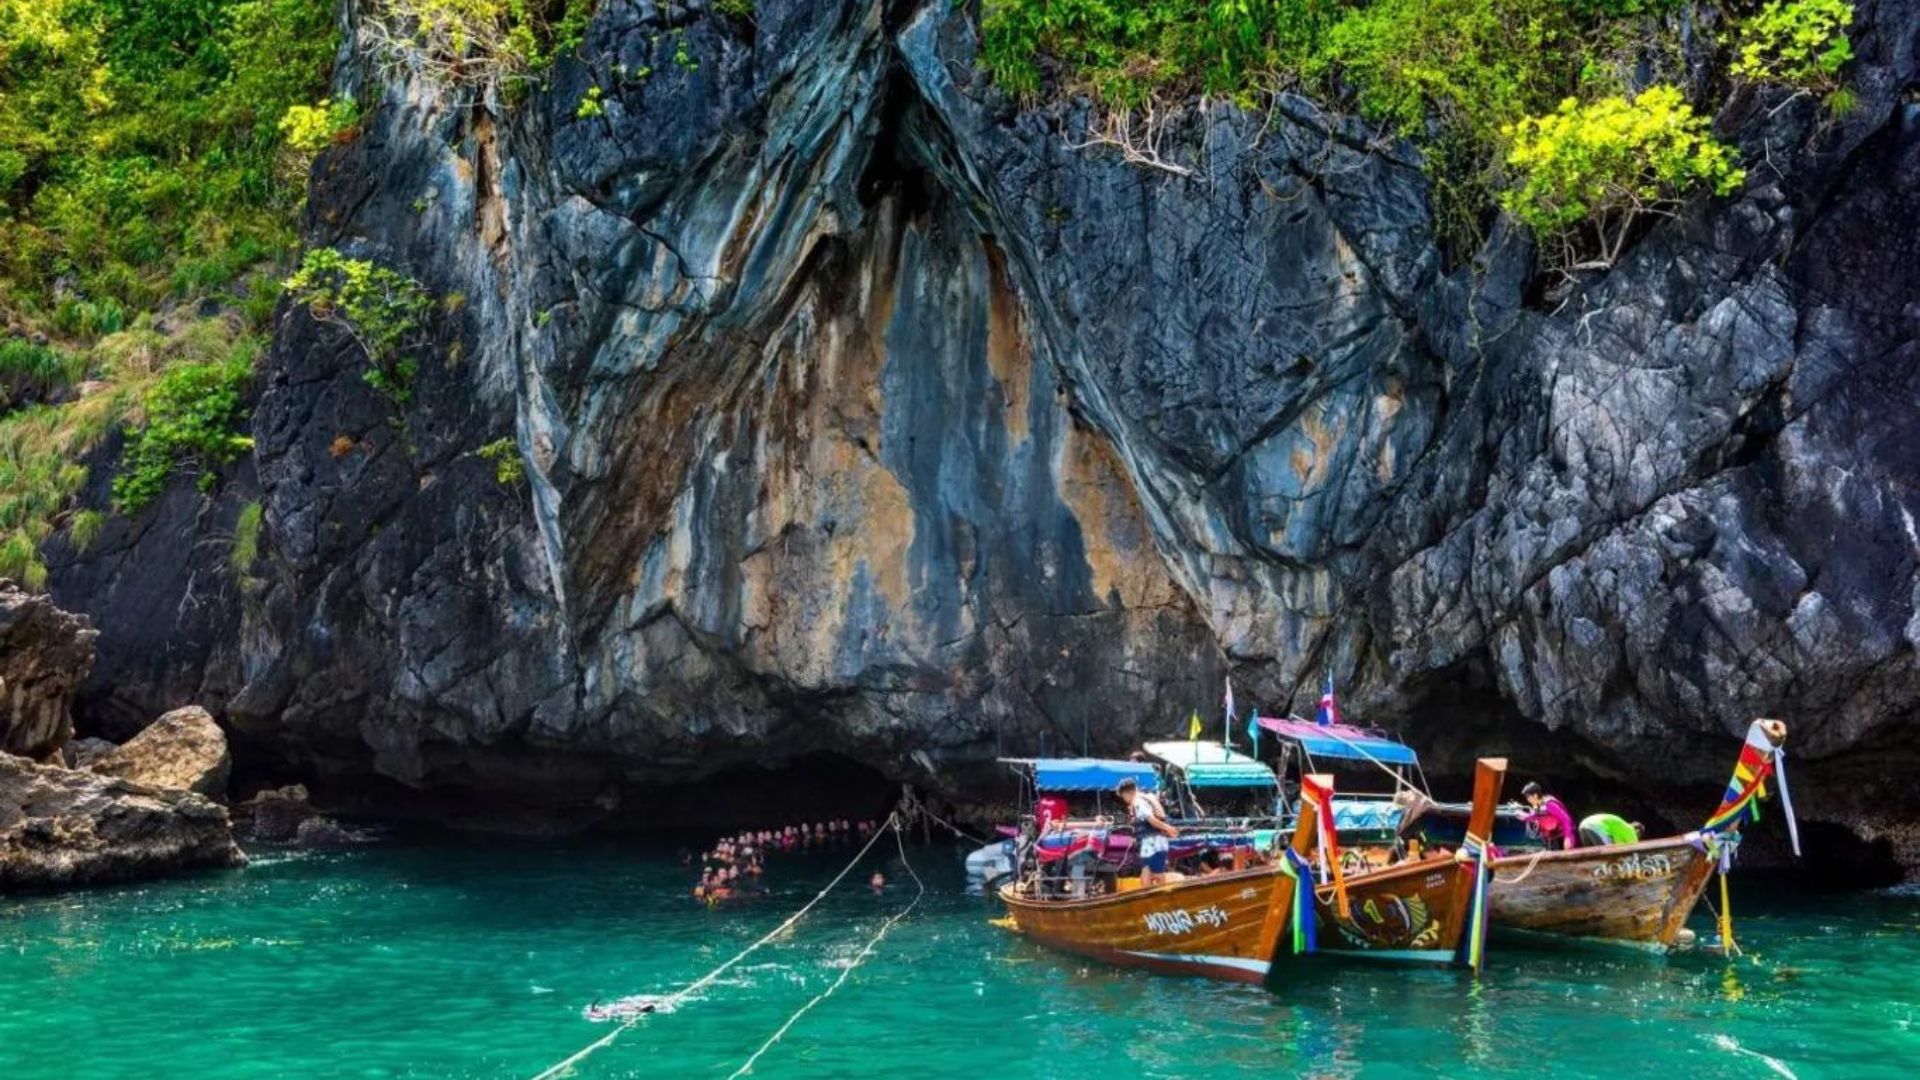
(1208, 926)
(1414, 912)
(1629, 894)
(1211, 927)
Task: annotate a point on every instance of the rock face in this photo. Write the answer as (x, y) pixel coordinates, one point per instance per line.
(65, 827)
(80, 753)
(274, 816)
(184, 749)
(862, 413)
(45, 653)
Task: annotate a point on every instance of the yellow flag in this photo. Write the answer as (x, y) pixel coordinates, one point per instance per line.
(1193, 727)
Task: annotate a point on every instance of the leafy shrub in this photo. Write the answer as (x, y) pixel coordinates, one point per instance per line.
(1125, 51)
(1473, 63)
(508, 469)
(136, 135)
(312, 128)
(1800, 42)
(193, 417)
(385, 311)
(1605, 164)
(488, 46)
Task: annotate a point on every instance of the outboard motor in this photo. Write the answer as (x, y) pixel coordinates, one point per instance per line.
(991, 866)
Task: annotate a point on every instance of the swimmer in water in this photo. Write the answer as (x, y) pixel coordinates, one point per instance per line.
(878, 883)
(625, 1008)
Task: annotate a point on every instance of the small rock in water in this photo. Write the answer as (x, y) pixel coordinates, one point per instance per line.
(325, 832)
(274, 816)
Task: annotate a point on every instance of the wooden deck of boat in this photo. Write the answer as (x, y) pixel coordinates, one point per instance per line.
(1633, 894)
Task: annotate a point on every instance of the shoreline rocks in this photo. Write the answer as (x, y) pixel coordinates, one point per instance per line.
(286, 817)
(91, 812)
(63, 827)
(183, 749)
(45, 653)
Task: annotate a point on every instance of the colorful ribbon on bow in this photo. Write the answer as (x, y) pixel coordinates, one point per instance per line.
(1328, 842)
(1299, 870)
(1474, 944)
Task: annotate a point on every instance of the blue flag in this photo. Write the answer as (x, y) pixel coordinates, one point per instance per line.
(1253, 729)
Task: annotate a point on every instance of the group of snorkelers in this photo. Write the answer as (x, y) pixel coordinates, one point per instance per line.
(736, 863)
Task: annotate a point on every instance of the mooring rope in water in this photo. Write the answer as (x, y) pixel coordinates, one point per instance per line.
(912, 806)
(747, 1066)
(951, 827)
(893, 822)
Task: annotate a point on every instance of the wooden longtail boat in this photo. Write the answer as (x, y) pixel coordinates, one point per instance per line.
(1632, 894)
(1230, 926)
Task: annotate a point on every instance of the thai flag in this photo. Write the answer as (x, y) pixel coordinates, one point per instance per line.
(1329, 713)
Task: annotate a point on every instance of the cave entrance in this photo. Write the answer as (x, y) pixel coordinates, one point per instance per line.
(808, 788)
(1458, 715)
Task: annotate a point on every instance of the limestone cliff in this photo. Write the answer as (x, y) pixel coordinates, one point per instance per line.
(864, 413)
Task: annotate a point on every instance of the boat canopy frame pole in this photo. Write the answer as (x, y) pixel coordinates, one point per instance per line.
(1399, 779)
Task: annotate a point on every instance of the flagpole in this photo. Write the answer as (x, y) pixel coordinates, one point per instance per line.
(1226, 723)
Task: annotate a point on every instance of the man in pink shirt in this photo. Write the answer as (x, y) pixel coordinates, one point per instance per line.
(1550, 819)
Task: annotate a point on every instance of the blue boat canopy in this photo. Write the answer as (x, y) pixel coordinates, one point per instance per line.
(1090, 774)
(1341, 741)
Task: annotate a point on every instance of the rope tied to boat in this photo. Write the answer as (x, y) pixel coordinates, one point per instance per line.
(1532, 863)
(565, 1065)
(921, 891)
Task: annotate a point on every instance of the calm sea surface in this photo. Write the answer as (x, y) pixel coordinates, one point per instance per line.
(451, 959)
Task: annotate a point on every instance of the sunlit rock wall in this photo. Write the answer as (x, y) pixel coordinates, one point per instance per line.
(867, 411)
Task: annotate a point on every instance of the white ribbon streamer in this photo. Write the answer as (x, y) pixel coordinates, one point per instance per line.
(1786, 797)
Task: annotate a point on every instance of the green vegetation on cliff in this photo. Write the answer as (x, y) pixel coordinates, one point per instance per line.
(495, 48)
(385, 312)
(152, 157)
(1462, 78)
(140, 151)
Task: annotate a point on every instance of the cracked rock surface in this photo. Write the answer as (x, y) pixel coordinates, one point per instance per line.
(862, 412)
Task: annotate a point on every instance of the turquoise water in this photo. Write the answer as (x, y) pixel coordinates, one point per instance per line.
(438, 959)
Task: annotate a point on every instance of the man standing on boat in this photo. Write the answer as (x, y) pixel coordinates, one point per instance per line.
(1148, 814)
(1550, 818)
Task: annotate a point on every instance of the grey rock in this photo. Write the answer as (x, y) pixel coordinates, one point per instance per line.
(324, 832)
(81, 753)
(273, 816)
